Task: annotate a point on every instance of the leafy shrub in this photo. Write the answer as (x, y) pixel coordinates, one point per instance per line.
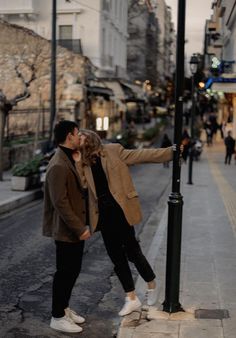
(27, 168)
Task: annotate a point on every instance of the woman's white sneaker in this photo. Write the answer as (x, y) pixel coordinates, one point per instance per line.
(130, 306)
(65, 324)
(151, 296)
(74, 316)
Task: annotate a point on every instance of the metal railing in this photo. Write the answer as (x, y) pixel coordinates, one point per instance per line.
(74, 45)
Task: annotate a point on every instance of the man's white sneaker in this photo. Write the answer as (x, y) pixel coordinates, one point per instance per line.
(151, 296)
(65, 324)
(74, 316)
(130, 306)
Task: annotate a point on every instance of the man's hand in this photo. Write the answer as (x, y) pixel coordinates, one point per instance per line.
(85, 235)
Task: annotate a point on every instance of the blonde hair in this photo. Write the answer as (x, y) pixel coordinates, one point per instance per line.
(91, 148)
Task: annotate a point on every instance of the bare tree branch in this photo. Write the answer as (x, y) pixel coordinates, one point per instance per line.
(26, 92)
(138, 8)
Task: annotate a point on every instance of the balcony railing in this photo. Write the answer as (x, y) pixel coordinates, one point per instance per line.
(74, 45)
(107, 61)
(17, 7)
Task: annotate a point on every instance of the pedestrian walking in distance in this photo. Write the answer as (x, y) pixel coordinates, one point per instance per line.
(114, 207)
(229, 145)
(64, 219)
(166, 142)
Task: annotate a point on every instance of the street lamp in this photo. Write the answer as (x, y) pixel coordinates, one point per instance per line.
(171, 303)
(53, 70)
(193, 68)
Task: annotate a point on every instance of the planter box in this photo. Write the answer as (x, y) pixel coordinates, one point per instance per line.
(20, 183)
(23, 183)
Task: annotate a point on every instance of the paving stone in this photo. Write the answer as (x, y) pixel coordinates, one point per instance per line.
(163, 326)
(200, 332)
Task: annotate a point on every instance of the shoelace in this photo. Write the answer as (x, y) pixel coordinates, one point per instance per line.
(71, 311)
(70, 320)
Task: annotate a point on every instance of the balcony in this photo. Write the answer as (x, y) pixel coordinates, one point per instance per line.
(211, 50)
(74, 45)
(218, 43)
(211, 26)
(20, 7)
(107, 61)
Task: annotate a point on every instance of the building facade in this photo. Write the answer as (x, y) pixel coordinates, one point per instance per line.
(220, 58)
(98, 29)
(166, 41)
(142, 44)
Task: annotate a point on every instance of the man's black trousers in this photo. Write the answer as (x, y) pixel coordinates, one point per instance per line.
(68, 264)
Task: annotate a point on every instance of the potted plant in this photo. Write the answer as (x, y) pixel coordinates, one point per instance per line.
(26, 175)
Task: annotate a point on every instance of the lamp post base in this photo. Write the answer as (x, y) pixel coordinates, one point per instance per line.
(171, 302)
(172, 307)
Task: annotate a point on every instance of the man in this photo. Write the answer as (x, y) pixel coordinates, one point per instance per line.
(229, 144)
(114, 207)
(64, 220)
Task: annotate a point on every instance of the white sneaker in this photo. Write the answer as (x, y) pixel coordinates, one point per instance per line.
(130, 306)
(65, 324)
(151, 296)
(74, 316)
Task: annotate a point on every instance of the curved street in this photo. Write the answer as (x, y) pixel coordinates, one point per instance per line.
(27, 267)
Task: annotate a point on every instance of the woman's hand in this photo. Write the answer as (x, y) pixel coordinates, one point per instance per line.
(85, 235)
(181, 148)
(76, 156)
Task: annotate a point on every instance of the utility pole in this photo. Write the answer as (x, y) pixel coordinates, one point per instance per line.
(171, 303)
(53, 69)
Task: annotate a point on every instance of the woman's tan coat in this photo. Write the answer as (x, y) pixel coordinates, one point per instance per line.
(115, 162)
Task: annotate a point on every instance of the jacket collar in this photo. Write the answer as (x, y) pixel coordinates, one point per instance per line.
(61, 154)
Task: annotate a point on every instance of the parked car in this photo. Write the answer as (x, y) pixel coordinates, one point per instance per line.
(44, 164)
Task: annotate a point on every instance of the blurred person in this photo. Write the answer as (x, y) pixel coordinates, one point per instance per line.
(114, 207)
(229, 145)
(186, 142)
(214, 125)
(208, 130)
(64, 219)
(166, 142)
(131, 134)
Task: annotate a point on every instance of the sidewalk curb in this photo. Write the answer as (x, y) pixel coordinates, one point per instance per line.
(13, 203)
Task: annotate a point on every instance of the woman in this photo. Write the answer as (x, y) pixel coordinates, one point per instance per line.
(114, 207)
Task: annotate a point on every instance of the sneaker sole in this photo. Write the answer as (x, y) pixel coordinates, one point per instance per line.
(138, 310)
(58, 330)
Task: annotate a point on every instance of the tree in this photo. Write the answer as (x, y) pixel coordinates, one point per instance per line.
(25, 73)
(6, 105)
(21, 53)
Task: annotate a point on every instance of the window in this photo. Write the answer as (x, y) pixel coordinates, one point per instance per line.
(65, 32)
(106, 5)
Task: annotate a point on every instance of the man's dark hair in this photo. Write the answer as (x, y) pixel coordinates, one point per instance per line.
(62, 129)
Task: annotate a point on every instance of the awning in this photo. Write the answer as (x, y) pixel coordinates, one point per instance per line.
(137, 90)
(100, 91)
(116, 88)
(226, 87)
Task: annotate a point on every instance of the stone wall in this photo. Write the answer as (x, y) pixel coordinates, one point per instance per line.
(19, 153)
(21, 46)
